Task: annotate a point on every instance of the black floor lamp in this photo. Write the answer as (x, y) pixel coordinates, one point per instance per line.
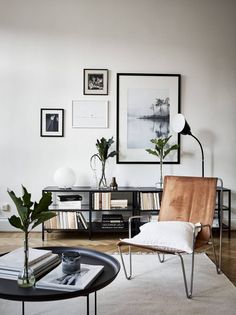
(180, 125)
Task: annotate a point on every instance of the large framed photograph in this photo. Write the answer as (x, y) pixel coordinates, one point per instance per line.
(146, 105)
(52, 122)
(95, 82)
(90, 114)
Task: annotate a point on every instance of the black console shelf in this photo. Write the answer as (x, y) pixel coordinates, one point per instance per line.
(123, 202)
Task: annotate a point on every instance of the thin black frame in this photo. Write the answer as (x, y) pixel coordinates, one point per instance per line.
(44, 133)
(119, 75)
(105, 89)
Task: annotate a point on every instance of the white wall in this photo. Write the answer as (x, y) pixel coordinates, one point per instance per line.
(46, 44)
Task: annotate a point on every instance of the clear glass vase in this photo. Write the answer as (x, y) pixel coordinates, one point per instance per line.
(159, 184)
(103, 181)
(26, 278)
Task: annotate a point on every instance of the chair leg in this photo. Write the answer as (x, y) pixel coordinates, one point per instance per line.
(161, 260)
(217, 261)
(128, 277)
(188, 292)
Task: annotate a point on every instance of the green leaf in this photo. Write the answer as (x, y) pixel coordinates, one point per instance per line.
(42, 217)
(112, 154)
(16, 222)
(26, 198)
(42, 206)
(150, 151)
(22, 211)
(173, 147)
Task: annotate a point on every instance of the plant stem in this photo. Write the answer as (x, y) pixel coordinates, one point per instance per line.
(26, 252)
(161, 179)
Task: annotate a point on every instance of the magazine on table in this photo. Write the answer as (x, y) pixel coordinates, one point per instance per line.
(57, 280)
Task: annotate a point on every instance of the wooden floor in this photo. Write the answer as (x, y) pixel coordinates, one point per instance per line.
(107, 243)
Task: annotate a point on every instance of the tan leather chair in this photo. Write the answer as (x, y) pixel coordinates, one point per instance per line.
(186, 199)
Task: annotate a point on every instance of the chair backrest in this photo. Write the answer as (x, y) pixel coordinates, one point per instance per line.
(189, 199)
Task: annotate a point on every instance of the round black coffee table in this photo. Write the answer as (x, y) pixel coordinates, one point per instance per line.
(9, 289)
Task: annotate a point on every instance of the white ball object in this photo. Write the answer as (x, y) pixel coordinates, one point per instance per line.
(64, 177)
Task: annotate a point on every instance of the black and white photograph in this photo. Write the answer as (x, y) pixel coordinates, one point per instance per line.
(52, 122)
(146, 104)
(95, 82)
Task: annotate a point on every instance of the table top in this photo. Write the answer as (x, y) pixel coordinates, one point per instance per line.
(10, 290)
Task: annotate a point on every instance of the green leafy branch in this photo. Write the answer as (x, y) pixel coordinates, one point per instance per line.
(31, 214)
(161, 147)
(103, 146)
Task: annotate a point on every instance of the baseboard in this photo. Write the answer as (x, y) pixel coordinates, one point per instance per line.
(5, 226)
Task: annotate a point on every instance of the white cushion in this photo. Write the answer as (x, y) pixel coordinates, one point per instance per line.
(176, 235)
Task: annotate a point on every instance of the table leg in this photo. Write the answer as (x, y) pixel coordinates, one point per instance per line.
(95, 303)
(23, 308)
(88, 304)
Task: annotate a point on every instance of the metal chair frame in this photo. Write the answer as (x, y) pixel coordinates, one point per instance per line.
(218, 260)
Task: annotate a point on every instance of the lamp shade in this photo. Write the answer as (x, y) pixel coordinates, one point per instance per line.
(64, 177)
(180, 125)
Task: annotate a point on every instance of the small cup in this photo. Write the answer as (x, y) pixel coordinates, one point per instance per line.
(70, 262)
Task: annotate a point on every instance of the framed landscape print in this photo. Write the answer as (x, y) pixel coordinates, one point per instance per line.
(95, 82)
(90, 114)
(146, 105)
(52, 122)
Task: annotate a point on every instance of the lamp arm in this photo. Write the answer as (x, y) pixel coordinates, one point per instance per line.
(201, 151)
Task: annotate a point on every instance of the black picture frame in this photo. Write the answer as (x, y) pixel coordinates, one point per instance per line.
(138, 96)
(95, 82)
(52, 122)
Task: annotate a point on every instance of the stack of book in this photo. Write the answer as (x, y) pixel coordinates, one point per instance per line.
(40, 261)
(119, 203)
(103, 201)
(149, 201)
(112, 221)
(67, 220)
(69, 201)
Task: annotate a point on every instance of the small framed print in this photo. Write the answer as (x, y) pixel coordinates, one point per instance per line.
(95, 82)
(90, 114)
(52, 122)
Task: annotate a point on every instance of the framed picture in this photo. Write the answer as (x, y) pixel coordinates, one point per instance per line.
(146, 105)
(95, 82)
(90, 114)
(52, 122)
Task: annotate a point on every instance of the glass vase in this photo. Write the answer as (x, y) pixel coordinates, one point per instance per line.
(103, 181)
(26, 278)
(159, 184)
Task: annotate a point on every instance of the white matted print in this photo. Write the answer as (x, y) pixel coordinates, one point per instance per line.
(90, 114)
(146, 104)
(52, 122)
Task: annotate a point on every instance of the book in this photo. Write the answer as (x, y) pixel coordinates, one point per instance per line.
(119, 203)
(82, 220)
(15, 259)
(149, 201)
(57, 280)
(39, 268)
(69, 205)
(68, 198)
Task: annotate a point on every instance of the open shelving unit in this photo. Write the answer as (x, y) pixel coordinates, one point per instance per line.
(107, 211)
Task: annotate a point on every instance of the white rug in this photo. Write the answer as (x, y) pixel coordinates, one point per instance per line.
(155, 289)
